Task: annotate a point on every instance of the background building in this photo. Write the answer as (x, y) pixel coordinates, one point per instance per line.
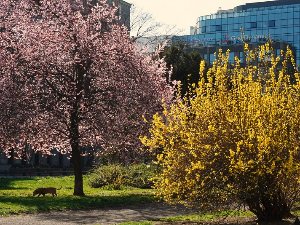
(124, 11)
(279, 20)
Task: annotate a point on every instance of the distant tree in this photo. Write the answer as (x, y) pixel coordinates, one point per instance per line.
(233, 146)
(75, 79)
(142, 23)
(147, 31)
(184, 66)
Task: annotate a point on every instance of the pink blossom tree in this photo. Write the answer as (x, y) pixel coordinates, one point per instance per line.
(80, 79)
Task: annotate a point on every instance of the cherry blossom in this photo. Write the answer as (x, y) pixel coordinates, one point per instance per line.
(70, 77)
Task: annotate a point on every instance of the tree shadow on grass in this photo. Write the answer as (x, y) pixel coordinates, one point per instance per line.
(7, 183)
(49, 202)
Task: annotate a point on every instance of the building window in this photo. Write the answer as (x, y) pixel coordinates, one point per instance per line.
(253, 24)
(218, 27)
(278, 52)
(271, 23)
(231, 57)
(241, 57)
(212, 58)
(203, 29)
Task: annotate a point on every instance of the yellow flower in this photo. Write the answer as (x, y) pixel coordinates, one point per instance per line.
(235, 137)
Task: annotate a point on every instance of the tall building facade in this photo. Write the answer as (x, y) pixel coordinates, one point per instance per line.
(278, 20)
(123, 12)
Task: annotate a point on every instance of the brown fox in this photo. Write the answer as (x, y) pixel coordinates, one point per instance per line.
(43, 191)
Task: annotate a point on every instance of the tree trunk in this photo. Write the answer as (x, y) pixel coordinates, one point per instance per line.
(269, 207)
(74, 139)
(78, 185)
(74, 128)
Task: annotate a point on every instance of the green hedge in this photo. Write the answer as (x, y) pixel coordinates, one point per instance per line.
(117, 177)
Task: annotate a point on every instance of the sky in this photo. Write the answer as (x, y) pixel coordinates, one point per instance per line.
(184, 13)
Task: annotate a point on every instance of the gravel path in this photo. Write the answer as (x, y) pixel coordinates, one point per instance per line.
(104, 216)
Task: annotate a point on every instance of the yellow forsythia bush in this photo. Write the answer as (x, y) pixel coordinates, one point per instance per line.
(236, 140)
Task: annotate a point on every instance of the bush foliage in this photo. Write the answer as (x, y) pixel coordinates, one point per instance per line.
(236, 140)
(117, 177)
(184, 66)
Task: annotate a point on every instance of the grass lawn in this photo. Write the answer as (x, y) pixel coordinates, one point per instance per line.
(222, 218)
(218, 218)
(234, 217)
(16, 195)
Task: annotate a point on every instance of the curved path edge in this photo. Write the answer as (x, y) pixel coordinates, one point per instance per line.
(104, 216)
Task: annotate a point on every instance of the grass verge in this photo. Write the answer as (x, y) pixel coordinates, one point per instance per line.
(16, 195)
(220, 218)
(209, 217)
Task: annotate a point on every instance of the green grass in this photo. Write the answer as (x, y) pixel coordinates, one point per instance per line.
(208, 217)
(203, 218)
(16, 195)
(137, 223)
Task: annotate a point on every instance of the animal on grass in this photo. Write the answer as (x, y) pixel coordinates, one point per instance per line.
(43, 191)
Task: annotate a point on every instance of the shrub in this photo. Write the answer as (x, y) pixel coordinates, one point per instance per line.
(117, 177)
(236, 141)
(113, 175)
(142, 175)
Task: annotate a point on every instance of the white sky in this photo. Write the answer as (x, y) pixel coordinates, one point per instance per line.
(184, 13)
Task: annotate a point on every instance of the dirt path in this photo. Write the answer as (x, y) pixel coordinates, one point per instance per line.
(104, 216)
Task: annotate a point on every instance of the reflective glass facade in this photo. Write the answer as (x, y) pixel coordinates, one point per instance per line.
(278, 19)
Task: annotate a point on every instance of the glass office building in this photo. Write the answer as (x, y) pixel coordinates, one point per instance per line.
(279, 20)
